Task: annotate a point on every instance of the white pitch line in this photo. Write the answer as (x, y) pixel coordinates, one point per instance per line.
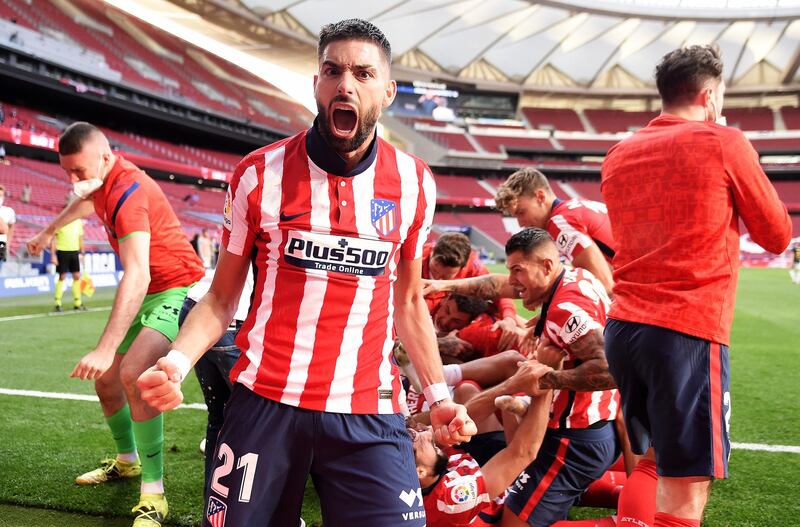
(200, 406)
(53, 314)
(79, 397)
(766, 448)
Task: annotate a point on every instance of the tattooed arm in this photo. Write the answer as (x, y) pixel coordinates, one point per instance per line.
(487, 287)
(592, 374)
(452, 346)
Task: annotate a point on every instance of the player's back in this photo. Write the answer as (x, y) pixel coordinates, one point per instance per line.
(670, 190)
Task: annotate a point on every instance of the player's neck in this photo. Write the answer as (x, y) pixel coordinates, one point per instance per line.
(691, 112)
(352, 159)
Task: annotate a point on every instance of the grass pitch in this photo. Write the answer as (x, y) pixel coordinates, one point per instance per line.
(45, 443)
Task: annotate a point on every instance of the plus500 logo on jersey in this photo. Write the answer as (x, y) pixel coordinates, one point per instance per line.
(339, 254)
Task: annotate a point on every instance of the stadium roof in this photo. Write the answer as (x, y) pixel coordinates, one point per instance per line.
(570, 46)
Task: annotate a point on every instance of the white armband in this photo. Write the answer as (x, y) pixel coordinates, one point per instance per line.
(181, 361)
(436, 392)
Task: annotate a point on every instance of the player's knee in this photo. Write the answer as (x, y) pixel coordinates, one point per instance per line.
(509, 360)
(107, 384)
(129, 374)
(465, 391)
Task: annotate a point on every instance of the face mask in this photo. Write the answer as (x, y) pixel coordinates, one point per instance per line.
(720, 119)
(83, 189)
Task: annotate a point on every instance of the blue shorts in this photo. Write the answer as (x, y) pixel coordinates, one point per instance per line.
(362, 466)
(568, 461)
(675, 396)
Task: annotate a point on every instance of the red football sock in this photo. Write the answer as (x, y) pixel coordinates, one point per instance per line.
(619, 466)
(605, 491)
(637, 502)
(668, 520)
(608, 521)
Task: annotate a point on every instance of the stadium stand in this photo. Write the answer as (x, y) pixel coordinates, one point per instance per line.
(554, 119)
(500, 141)
(610, 121)
(758, 119)
(461, 186)
(450, 139)
(90, 37)
(791, 117)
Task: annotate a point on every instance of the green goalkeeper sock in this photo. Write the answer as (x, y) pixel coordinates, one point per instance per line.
(121, 427)
(76, 292)
(59, 291)
(150, 440)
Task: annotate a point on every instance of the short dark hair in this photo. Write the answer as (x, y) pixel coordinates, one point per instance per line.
(683, 72)
(470, 305)
(528, 240)
(76, 135)
(440, 467)
(354, 29)
(452, 249)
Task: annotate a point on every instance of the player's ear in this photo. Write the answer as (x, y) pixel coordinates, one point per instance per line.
(548, 265)
(389, 93)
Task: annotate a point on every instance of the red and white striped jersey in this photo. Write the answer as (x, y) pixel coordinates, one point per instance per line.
(459, 496)
(578, 306)
(325, 250)
(576, 224)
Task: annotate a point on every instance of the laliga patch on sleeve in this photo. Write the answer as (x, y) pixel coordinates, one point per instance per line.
(464, 490)
(226, 211)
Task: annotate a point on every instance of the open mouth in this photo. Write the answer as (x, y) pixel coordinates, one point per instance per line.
(344, 121)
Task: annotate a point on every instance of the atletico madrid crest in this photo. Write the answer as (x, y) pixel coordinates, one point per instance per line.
(384, 216)
(215, 513)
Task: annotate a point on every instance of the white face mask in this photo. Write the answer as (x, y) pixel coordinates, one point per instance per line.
(84, 189)
(719, 119)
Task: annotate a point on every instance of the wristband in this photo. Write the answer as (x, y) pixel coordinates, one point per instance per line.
(181, 361)
(436, 392)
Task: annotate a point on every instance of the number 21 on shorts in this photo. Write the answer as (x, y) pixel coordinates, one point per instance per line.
(247, 462)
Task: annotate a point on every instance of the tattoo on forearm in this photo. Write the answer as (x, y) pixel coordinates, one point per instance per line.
(486, 287)
(591, 375)
(454, 346)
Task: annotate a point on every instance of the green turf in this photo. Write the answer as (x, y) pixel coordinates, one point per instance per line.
(44, 443)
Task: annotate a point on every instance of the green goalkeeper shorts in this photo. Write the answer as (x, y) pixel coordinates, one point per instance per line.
(160, 312)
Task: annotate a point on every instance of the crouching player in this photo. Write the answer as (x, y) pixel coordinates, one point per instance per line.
(580, 443)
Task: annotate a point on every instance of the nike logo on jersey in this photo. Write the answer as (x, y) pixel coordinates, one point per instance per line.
(290, 217)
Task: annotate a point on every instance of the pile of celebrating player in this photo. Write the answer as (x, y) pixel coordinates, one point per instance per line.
(614, 394)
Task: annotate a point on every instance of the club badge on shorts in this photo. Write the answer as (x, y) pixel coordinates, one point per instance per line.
(215, 513)
(384, 216)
